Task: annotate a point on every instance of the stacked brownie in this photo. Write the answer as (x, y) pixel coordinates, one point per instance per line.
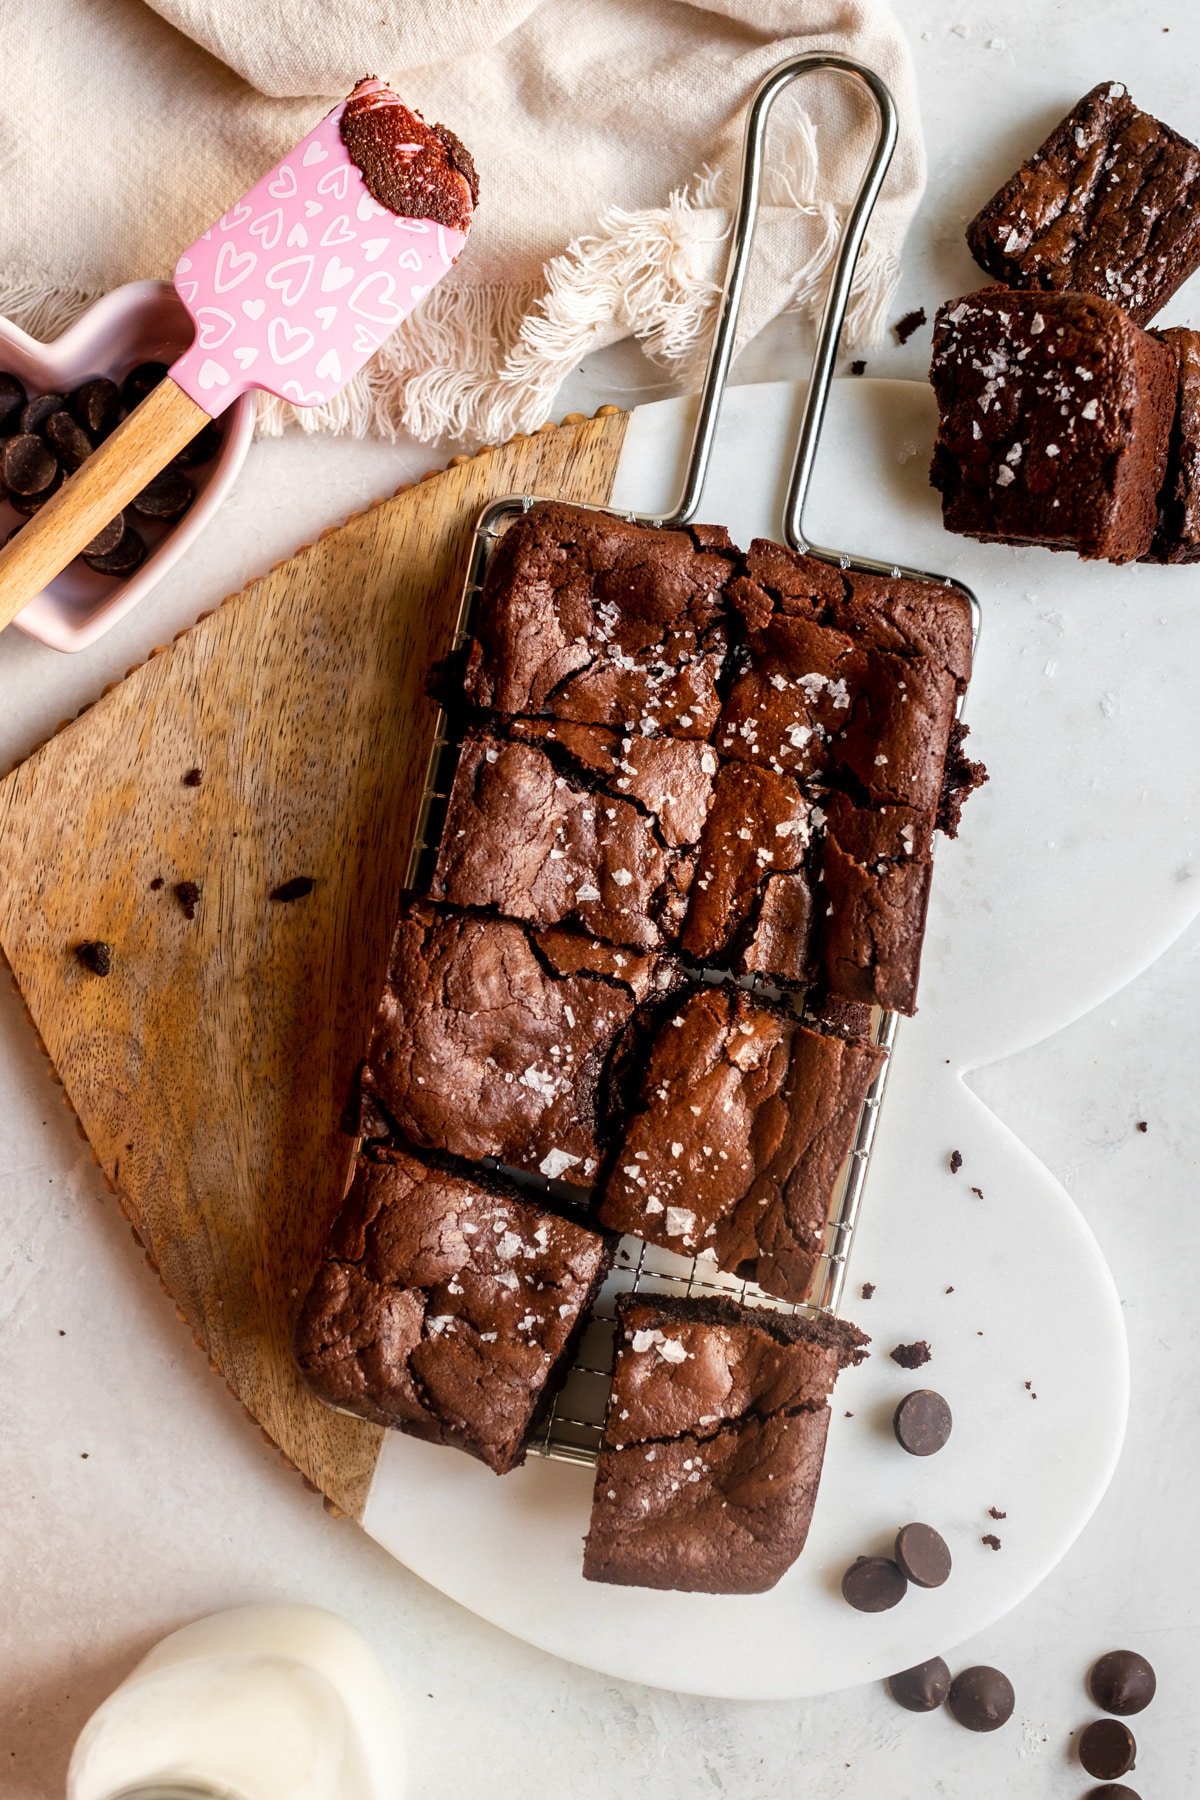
(679, 767)
(1063, 421)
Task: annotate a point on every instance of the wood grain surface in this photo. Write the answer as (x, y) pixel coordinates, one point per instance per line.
(211, 1067)
(118, 469)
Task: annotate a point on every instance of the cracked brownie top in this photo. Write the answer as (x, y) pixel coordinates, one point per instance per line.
(443, 1303)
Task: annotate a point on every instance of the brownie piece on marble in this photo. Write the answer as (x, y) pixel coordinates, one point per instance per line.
(1177, 538)
(737, 1136)
(447, 1303)
(588, 617)
(1054, 417)
(575, 825)
(493, 1040)
(713, 1443)
(1107, 206)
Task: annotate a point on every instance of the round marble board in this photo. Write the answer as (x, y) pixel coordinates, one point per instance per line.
(1072, 873)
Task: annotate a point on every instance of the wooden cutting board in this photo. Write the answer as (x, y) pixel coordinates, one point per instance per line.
(210, 1068)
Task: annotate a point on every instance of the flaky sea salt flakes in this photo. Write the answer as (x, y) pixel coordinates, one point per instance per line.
(680, 1222)
(556, 1163)
(586, 892)
(1004, 476)
(442, 1322)
(1036, 324)
(622, 877)
(670, 1349)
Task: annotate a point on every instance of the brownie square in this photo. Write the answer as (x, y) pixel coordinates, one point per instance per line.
(737, 1137)
(1054, 415)
(846, 676)
(587, 617)
(1107, 206)
(493, 1040)
(446, 1304)
(875, 868)
(539, 827)
(713, 1443)
(1177, 538)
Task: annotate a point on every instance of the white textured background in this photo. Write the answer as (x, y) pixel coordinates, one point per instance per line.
(179, 1508)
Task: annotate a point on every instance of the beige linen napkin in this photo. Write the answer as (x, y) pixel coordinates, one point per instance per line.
(606, 133)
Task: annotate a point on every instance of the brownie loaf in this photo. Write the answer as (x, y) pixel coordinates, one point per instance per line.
(445, 1303)
(591, 618)
(737, 1136)
(496, 1041)
(713, 1443)
(1106, 206)
(1054, 417)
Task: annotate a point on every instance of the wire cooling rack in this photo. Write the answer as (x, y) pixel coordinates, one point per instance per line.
(570, 1430)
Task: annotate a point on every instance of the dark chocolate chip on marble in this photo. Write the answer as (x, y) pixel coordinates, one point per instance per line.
(923, 1688)
(922, 1422)
(68, 440)
(129, 555)
(1122, 1682)
(29, 464)
(1107, 1749)
(874, 1584)
(982, 1698)
(167, 497)
(97, 406)
(923, 1555)
(95, 955)
(140, 381)
(35, 412)
(1118, 1791)
(12, 399)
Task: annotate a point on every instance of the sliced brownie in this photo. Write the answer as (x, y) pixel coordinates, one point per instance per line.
(586, 828)
(737, 1136)
(875, 866)
(1054, 416)
(590, 618)
(446, 1303)
(493, 1040)
(1177, 539)
(1107, 206)
(713, 1443)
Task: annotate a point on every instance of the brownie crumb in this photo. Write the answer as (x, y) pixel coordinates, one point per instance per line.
(1142, 1125)
(912, 1356)
(950, 1289)
(848, 1415)
(193, 778)
(995, 1513)
(295, 889)
(868, 1290)
(858, 366)
(912, 321)
(955, 1161)
(188, 895)
(157, 883)
(95, 955)
(991, 1540)
(978, 1193)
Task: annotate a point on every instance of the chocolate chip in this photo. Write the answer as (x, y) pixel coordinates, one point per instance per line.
(188, 895)
(29, 465)
(1122, 1682)
(35, 412)
(202, 449)
(911, 1356)
(167, 497)
(955, 1161)
(868, 1290)
(129, 555)
(1117, 1792)
(97, 406)
(982, 1699)
(991, 1540)
(140, 381)
(28, 504)
(922, 1422)
(922, 1688)
(12, 399)
(107, 538)
(1107, 1749)
(193, 778)
(912, 321)
(95, 955)
(69, 441)
(923, 1555)
(874, 1584)
(295, 889)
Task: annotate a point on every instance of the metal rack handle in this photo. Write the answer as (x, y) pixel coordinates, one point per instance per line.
(712, 392)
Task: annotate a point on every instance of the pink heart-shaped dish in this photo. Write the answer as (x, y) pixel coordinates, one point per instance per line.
(145, 321)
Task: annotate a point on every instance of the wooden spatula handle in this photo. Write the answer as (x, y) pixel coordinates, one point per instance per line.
(141, 446)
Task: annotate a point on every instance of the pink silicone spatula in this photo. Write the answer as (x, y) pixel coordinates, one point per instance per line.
(291, 291)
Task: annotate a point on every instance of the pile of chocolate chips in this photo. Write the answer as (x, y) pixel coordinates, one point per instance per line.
(46, 437)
